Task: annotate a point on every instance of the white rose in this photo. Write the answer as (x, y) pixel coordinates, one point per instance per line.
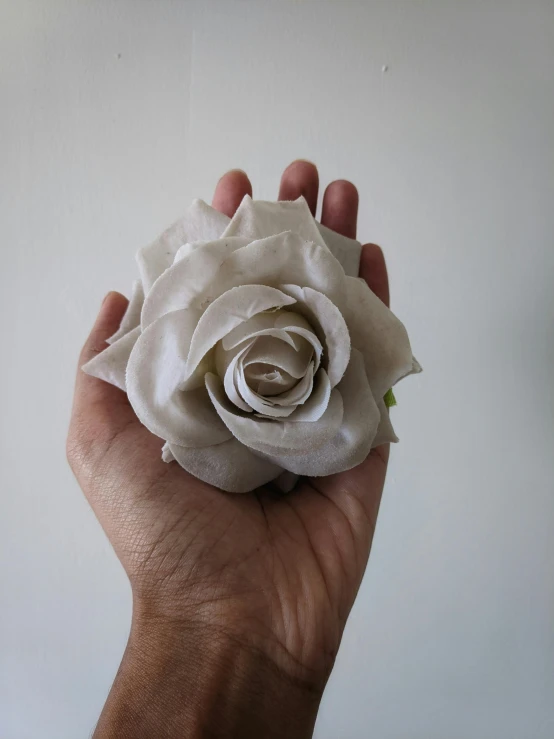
(250, 350)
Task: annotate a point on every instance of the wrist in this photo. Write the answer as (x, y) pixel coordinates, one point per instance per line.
(193, 680)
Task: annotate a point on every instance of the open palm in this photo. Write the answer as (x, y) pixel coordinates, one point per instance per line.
(277, 572)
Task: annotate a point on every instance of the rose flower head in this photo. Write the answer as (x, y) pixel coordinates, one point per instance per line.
(254, 351)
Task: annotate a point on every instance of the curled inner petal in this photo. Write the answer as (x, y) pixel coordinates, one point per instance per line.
(270, 351)
(266, 386)
(267, 379)
(328, 323)
(355, 436)
(286, 436)
(230, 384)
(230, 310)
(268, 364)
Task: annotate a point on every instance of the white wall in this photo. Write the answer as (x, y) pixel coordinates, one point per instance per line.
(114, 114)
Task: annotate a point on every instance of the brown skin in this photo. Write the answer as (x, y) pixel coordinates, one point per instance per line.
(239, 601)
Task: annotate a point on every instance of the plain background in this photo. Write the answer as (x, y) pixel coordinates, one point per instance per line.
(115, 113)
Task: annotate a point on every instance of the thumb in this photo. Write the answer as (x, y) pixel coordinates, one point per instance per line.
(90, 390)
(107, 322)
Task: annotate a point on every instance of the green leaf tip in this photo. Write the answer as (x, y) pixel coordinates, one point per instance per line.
(389, 399)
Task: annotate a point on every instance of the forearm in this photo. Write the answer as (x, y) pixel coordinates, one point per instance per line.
(189, 683)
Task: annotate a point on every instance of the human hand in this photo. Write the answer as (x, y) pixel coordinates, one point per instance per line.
(239, 601)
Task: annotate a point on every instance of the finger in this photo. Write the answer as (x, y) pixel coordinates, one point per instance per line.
(340, 208)
(91, 390)
(230, 190)
(374, 271)
(300, 179)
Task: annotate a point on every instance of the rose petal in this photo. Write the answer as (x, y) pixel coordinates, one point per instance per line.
(319, 310)
(269, 384)
(297, 326)
(228, 311)
(230, 385)
(186, 283)
(111, 364)
(205, 274)
(131, 317)
(270, 350)
(385, 432)
(156, 367)
(347, 251)
(186, 249)
(353, 442)
(229, 466)
(257, 219)
(167, 455)
(299, 393)
(283, 259)
(259, 404)
(315, 405)
(257, 326)
(416, 367)
(290, 319)
(277, 437)
(223, 359)
(201, 222)
(379, 335)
